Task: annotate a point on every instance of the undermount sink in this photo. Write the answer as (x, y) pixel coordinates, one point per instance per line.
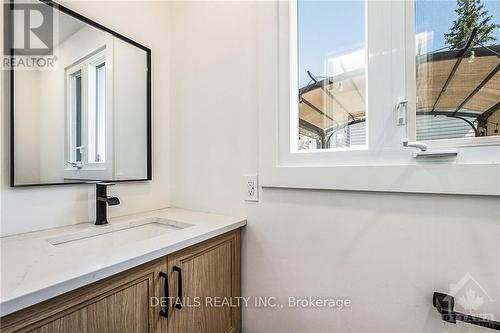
(120, 233)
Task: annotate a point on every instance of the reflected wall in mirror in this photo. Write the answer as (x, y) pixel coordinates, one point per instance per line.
(80, 100)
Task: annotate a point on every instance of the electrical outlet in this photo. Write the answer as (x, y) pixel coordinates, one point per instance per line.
(251, 188)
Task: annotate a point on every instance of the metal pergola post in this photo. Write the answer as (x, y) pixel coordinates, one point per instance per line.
(460, 56)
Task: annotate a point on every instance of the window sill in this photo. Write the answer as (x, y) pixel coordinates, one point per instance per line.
(464, 142)
(457, 179)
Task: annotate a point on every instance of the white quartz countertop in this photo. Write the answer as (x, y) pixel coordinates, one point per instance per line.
(34, 270)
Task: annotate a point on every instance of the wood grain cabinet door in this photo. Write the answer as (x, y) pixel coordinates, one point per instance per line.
(120, 304)
(210, 278)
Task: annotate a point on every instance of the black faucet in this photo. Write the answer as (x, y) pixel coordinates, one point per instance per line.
(101, 201)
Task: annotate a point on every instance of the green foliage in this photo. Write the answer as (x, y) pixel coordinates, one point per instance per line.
(471, 13)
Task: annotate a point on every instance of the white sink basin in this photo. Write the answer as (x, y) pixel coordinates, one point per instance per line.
(120, 233)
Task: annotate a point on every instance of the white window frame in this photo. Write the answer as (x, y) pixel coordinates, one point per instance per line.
(385, 165)
(86, 66)
(71, 150)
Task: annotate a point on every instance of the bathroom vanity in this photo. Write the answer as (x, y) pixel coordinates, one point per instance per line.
(170, 270)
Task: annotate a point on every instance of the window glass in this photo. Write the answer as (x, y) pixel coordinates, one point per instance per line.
(457, 69)
(100, 116)
(331, 74)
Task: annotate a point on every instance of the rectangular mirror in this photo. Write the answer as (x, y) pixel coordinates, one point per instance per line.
(80, 99)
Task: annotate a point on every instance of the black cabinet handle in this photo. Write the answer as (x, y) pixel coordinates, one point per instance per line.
(178, 302)
(164, 311)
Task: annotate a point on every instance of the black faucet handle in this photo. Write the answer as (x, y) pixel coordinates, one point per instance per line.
(102, 194)
(113, 201)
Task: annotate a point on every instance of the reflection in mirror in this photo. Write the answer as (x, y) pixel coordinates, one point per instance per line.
(83, 116)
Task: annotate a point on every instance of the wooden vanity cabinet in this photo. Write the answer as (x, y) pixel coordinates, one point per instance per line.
(209, 272)
(210, 275)
(119, 303)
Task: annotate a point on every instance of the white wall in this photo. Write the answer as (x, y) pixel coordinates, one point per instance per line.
(387, 252)
(21, 208)
(129, 117)
(28, 120)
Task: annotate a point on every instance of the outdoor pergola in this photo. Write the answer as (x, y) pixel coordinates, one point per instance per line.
(462, 84)
(328, 105)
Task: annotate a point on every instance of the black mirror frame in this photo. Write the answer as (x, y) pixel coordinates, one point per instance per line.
(9, 41)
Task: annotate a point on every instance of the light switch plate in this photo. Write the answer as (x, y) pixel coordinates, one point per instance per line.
(251, 187)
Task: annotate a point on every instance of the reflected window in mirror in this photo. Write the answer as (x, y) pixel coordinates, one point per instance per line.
(97, 149)
(86, 114)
